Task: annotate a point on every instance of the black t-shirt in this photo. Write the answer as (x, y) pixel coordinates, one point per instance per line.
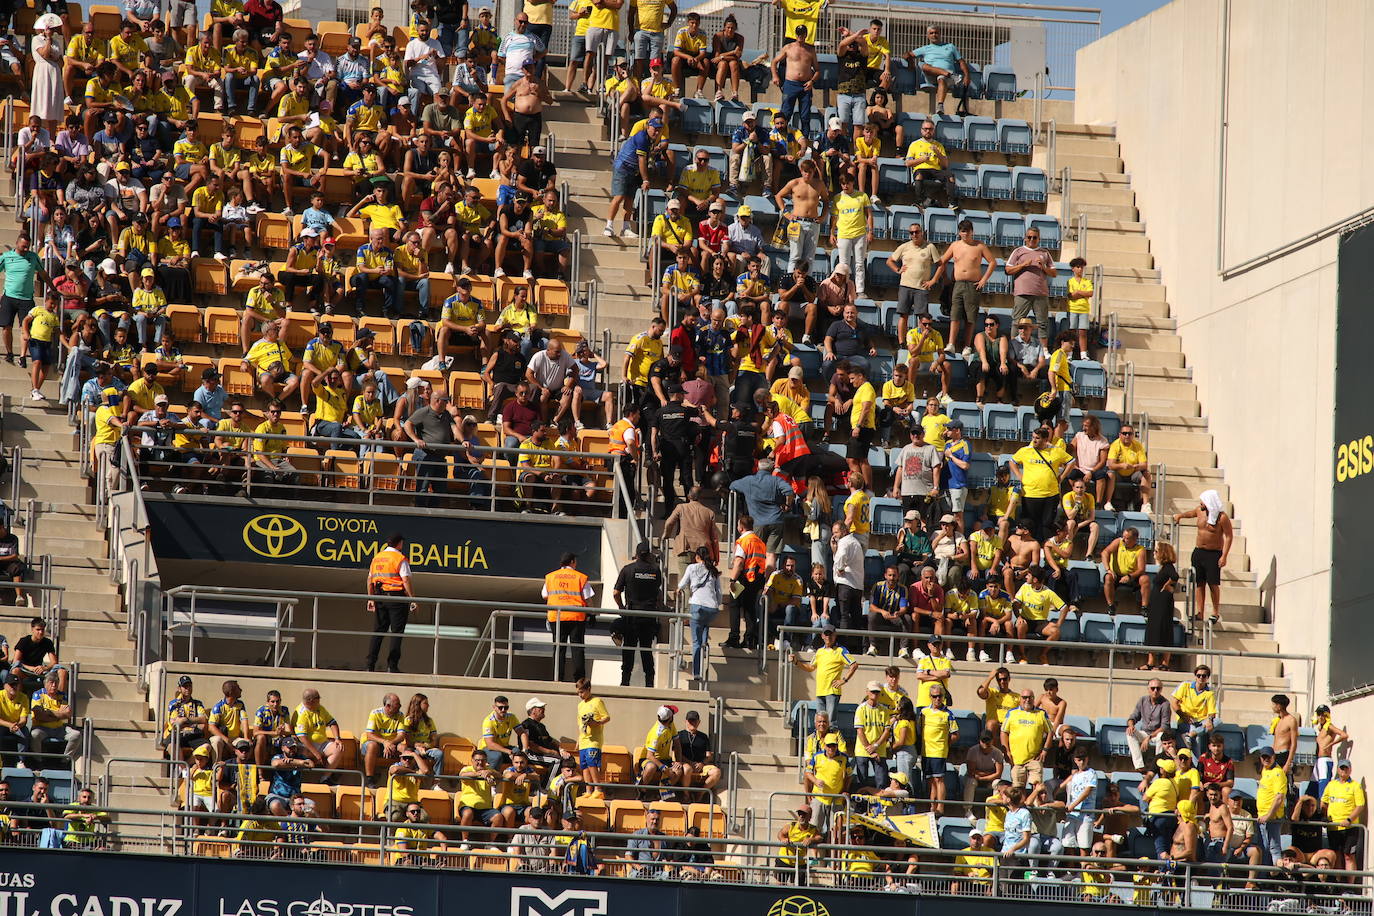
(816, 590)
(536, 176)
(806, 294)
(849, 341)
(515, 221)
(539, 736)
(666, 372)
(675, 422)
(693, 746)
(641, 583)
(9, 547)
(509, 367)
(741, 439)
(31, 652)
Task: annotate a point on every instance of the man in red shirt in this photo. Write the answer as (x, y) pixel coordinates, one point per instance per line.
(685, 336)
(711, 236)
(1215, 766)
(927, 601)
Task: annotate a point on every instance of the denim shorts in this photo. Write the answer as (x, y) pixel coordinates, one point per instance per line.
(852, 109)
(648, 45)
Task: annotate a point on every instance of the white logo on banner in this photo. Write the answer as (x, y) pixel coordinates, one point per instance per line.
(531, 901)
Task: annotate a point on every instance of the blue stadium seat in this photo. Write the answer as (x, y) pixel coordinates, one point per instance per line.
(652, 202)
(1013, 137)
(893, 176)
(999, 84)
(729, 115)
(873, 564)
(821, 265)
(21, 782)
(887, 514)
(1245, 787)
(1069, 631)
(970, 414)
(1110, 422)
(888, 309)
(982, 469)
(969, 726)
(1059, 283)
(982, 224)
(994, 182)
(999, 422)
(829, 66)
(777, 261)
(882, 220)
(949, 131)
(1026, 422)
(1142, 523)
(1233, 737)
(980, 134)
(954, 832)
(1051, 236)
(880, 366)
(1111, 737)
(1008, 229)
(905, 77)
(817, 406)
(1003, 316)
(901, 217)
(60, 788)
(1083, 724)
(765, 110)
(999, 284)
(815, 127)
(966, 179)
(879, 274)
(683, 157)
(1087, 577)
(697, 116)
(868, 310)
(1129, 784)
(1099, 628)
(1305, 755)
(1031, 184)
(1130, 629)
(1108, 524)
(1256, 737)
(941, 225)
(810, 357)
(765, 211)
(1091, 381)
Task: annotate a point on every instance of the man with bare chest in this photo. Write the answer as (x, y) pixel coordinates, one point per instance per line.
(524, 103)
(796, 77)
(1213, 546)
(965, 257)
(1285, 729)
(1023, 552)
(804, 226)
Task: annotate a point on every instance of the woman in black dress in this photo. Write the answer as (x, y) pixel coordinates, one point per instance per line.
(1159, 624)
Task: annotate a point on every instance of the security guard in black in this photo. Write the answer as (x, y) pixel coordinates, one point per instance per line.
(638, 588)
(674, 435)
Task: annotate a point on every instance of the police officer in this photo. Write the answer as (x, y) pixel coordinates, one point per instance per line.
(673, 436)
(637, 588)
(388, 577)
(740, 444)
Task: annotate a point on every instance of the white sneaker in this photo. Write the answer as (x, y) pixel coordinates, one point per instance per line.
(1145, 507)
(921, 653)
(628, 233)
(472, 173)
(448, 268)
(876, 201)
(806, 339)
(255, 208)
(219, 256)
(949, 347)
(21, 599)
(608, 231)
(499, 272)
(969, 656)
(288, 213)
(495, 175)
(871, 650)
(1008, 658)
(967, 353)
(949, 654)
(983, 655)
(905, 653)
(1108, 507)
(467, 269)
(527, 275)
(946, 400)
(37, 395)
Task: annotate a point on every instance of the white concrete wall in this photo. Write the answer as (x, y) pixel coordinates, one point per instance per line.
(1261, 346)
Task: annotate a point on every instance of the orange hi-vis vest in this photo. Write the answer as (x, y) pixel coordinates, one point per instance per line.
(617, 436)
(791, 444)
(755, 555)
(565, 587)
(385, 571)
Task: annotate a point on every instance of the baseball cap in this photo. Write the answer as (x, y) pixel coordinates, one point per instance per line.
(173, 222)
(1323, 710)
(666, 712)
(539, 151)
(935, 638)
(828, 629)
(745, 211)
(123, 167)
(404, 100)
(674, 204)
(147, 272)
(749, 115)
(716, 206)
(946, 518)
(363, 333)
(911, 515)
(675, 351)
(1343, 765)
(461, 54)
(414, 382)
(834, 124)
(875, 686)
(242, 743)
(202, 751)
(310, 232)
(796, 372)
(655, 122)
(161, 399)
(656, 62)
(955, 424)
(1168, 766)
(9, 678)
(534, 703)
(1266, 751)
(184, 681)
(901, 779)
(829, 739)
(329, 240)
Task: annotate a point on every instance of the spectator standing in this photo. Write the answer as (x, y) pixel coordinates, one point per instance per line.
(1344, 805)
(1026, 736)
(795, 71)
(639, 587)
(1159, 621)
(701, 580)
(914, 262)
(1210, 552)
(851, 229)
(767, 499)
(967, 255)
(568, 593)
(848, 573)
(1040, 467)
(693, 525)
(388, 578)
(1031, 268)
(833, 666)
(1271, 800)
(984, 763)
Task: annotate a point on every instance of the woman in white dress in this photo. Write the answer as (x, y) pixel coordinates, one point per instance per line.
(47, 98)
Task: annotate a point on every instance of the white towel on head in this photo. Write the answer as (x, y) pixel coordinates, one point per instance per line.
(1212, 500)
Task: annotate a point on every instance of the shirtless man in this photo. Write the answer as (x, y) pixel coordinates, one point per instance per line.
(1116, 819)
(1328, 736)
(1052, 703)
(524, 105)
(1285, 733)
(806, 193)
(970, 279)
(796, 79)
(1184, 846)
(1023, 552)
(1213, 546)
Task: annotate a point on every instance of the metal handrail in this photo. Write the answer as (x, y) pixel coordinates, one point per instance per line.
(784, 676)
(1052, 150)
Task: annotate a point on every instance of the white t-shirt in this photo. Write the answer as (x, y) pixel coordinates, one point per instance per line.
(417, 52)
(1076, 783)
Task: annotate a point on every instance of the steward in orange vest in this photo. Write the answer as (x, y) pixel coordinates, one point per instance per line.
(791, 454)
(566, 593)
(388, 577)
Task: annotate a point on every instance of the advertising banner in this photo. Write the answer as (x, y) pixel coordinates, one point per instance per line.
(346, 538)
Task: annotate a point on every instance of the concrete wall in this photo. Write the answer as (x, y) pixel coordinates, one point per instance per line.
(1261, 346)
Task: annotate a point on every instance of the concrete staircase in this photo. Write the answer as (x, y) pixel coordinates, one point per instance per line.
(94, 634)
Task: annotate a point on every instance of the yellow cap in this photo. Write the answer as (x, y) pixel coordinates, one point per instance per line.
(110, 393)
(745, 210)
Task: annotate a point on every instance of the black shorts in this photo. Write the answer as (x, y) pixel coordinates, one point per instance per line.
(1344, 840)
(12, 309)
(1206, 566)
(860, 441)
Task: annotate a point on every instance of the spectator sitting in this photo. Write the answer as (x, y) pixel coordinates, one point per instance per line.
(318, 732)
(649, 848)
(15, 717)
(1131, 468)
(52, 718)
(942, 63)
(475, 798)
(12, 566)
(287, 763)
(35, 655)
(1123, 563)
(186, 720)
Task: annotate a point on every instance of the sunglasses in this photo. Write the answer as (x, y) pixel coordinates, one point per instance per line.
(1156, 688)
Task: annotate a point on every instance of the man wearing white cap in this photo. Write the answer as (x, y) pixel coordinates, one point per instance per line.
(540, 746)
(657, 767)
(748, 138)
(836, 153)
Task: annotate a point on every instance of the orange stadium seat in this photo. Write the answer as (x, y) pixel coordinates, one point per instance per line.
(308, 462)
(384, 334)
(184, 322)
(457, 753)
(672, 817)
(205, 847)
(247, 130)
(354, 803)
(346, 472)
(349, 760)
(594, 812)
(383, 471)
(440, 288)
(491, 860)
(627, 816)
(709, 818)
(209, 277)
(484, 290)
(506, 287)
(221, 325)
(467, 390)
(106, 20)
(617, 764)
(403, 335)
(274, 231)
(438, 804)
(350, 233)
(344, 331)
(235, 379)
(551, 297)
(195, 365)
(322, 796)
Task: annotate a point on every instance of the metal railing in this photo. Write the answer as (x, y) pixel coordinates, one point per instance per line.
(185, 616)
(889, 641)
(1097, 295)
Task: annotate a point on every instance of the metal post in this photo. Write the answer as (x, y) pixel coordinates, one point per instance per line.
(1051, 149)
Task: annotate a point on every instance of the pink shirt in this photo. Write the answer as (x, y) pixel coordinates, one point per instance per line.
(1087, 450)
(1030, 282)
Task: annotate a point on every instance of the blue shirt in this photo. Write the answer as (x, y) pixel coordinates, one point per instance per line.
(1017, 823)
(714, 349)
(956, 478)
(743, 134)
(19, 271)
(90, 392)
(351, 70)
(887, 598)
(212, 402)
(945, 56)
(285, 783)
(765, 495)
(627, 159)
(319, 220)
